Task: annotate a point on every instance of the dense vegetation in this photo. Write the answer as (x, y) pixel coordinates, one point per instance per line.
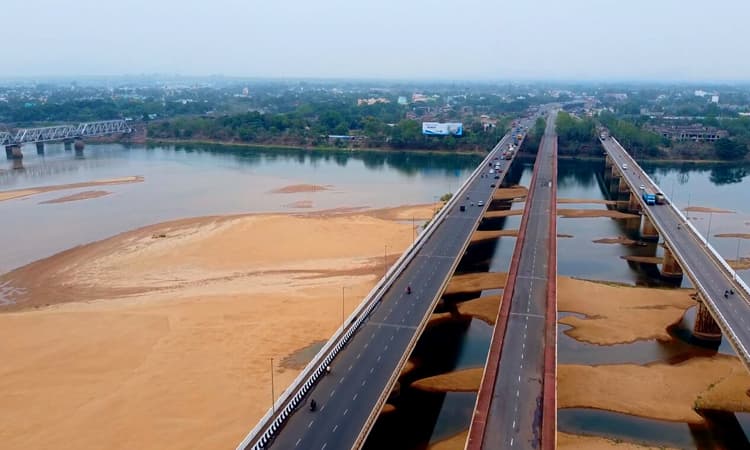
(310, 124)
(576, 137)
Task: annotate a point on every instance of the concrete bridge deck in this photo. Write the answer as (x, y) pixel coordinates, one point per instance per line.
(516, 404)
(367, 364)
(707, 270)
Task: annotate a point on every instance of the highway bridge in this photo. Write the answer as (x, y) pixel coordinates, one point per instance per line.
(65, 133)
(687, 251)
(516, 404)
(367, 356)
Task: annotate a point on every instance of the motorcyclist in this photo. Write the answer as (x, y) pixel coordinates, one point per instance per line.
(408, 289)
(313, 405)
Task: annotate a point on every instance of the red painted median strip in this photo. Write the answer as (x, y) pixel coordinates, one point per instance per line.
(487, 387)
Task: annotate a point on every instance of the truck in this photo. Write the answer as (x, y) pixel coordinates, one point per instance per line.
(659, 197)
(649, 197)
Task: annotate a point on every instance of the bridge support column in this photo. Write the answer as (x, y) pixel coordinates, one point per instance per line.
(670, 268)
(79, 145)
(13, 151)
(68, 144)
(623, 187)
(40, 148)
(705, 328)
(633, 204)
(633, 225)
(608, 161)
(648, 230)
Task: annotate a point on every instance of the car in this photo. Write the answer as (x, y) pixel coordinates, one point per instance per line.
(480, 203)
(624, 166)
(642, 187)
(491, 171)
(492, 185)
(497, 177)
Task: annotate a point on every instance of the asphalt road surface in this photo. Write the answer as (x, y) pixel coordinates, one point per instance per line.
(361, 372)
(691, 252)
(515, 412)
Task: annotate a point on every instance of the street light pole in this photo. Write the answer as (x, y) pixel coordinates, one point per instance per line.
(273, 395)
(708, 233)
(342, 308)
(385, 260)
(738, 258)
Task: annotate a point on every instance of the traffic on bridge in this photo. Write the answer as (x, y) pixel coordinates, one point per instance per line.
(723, 295)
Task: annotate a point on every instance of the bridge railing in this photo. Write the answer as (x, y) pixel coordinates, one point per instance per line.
(722, 262)
(61, 132)
(293, 395)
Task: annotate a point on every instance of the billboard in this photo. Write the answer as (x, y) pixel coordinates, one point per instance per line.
(442, 129)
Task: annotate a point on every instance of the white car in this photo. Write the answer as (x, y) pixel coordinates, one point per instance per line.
(480, 203)
(643, 187)
(624, 166)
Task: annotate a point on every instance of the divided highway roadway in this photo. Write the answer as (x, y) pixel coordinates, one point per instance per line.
(350, 396)
(693, 256)
(514, 418)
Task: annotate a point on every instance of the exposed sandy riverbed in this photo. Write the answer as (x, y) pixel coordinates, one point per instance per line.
(162, 337)
(20, 193)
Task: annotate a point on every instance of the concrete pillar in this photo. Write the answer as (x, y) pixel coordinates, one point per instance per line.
(633, 204)
(68, 144)
(670, 268)
(648, 230)
(705, 328)
(608, 161)
(13, 151)
(18, 164)
(79, 145)
(633, 225)
(40, 148)
(623, 187)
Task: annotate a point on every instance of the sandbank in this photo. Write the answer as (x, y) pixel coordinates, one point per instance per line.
(643, 259)
(300, 204)
(474, 282)
(658, 391)
(593, 201)
(579, 442)
(483, 308)
(503, 213)
(488, 235)
(20, 193)
(466, 380)
(619, 314)
(165, 342)
(589, 213)
(85, 195)
(510, 193)
(742, 264)
(733, 235)
(707, 209)
(296, 188)
(616, 240)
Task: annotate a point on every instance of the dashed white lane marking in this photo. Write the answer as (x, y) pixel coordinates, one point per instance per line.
(332, 392)
(310, 424)
(298, 441)
(324, 446)
(371, 369)
(346, 411)
(355, 396)
(335, 428)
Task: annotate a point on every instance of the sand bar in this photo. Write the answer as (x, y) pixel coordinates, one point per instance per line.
(466, 380)
(658, 391)
(706, 209)
(510, 193)
(85, 195)
(483, 308)
(297, 188)
(590, 213)
(488, 235)
(567, 441)
(619, 314)
(165, 342)
(503, 213)
(474, 282)
(593, 201)
(733, 235)
(20, 193)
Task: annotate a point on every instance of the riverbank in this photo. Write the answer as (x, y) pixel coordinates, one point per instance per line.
(161, 337)
(151, 141)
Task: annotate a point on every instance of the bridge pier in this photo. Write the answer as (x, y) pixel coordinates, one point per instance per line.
(705, 328)
(632, 226)
(13, 151)
(623, 187)
(648, 230)
(79, 145)
(68, 144)
(608, 161)
(634, 205)
(670, 268)
(40, 148)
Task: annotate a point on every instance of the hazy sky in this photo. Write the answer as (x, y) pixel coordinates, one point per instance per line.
(464, 39)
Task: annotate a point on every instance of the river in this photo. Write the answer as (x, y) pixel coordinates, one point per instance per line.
(188, 181)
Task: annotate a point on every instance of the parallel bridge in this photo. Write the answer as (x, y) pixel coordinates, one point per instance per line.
(14, 141)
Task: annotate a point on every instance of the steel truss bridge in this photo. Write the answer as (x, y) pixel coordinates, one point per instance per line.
(64, 132)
